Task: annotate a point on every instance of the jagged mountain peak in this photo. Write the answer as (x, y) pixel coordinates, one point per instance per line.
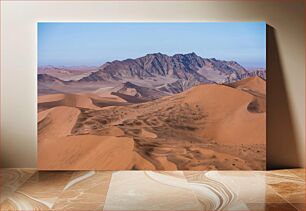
(192, 54)
(187, 67)
(157, 54)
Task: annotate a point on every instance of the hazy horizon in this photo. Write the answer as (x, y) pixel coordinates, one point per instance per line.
(98, 65)
(93, 44)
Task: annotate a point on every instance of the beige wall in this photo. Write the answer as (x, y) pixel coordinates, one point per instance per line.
(286, 62)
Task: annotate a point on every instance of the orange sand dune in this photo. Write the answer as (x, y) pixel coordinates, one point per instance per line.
(56, 122)
(206, 127)
(58, 149)
(87, 152)
(106, 96)
(228, 120)
(107, 99)
(71, 100)
(84, 100)
(255, 84)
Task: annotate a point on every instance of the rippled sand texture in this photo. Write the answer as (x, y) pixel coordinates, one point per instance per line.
(154, 190)
(208, 127)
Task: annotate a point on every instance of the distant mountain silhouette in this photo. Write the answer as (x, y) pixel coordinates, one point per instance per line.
(45, 78)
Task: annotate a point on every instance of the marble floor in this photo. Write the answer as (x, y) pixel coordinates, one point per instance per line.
(28, 189)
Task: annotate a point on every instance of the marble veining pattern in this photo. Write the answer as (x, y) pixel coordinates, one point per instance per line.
(28, 189)
(85, 191)
(11, 179)
(147, 190)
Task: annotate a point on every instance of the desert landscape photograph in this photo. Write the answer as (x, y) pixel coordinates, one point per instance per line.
(151, 96)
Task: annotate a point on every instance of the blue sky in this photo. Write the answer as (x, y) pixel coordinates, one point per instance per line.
(71, 44)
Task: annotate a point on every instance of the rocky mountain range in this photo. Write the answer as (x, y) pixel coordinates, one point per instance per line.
(168, 74)
(179, 66)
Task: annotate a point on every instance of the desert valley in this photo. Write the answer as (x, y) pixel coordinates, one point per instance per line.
(156, 112)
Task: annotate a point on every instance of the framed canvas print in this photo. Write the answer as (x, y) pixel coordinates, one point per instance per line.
(151, 96)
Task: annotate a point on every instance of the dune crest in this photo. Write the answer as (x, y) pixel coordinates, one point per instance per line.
(255, 84)
(56, 122)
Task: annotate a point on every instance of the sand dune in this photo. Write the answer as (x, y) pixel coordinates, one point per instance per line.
(71, 100)
(84, 100)
(56, 122)
(206, 127)
(228, 119)
(57, 149)
(255, 84)
(87, 152)
(106, 96)
(256, 87)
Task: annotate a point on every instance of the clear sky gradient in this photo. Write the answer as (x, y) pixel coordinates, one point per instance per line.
(92, 44)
